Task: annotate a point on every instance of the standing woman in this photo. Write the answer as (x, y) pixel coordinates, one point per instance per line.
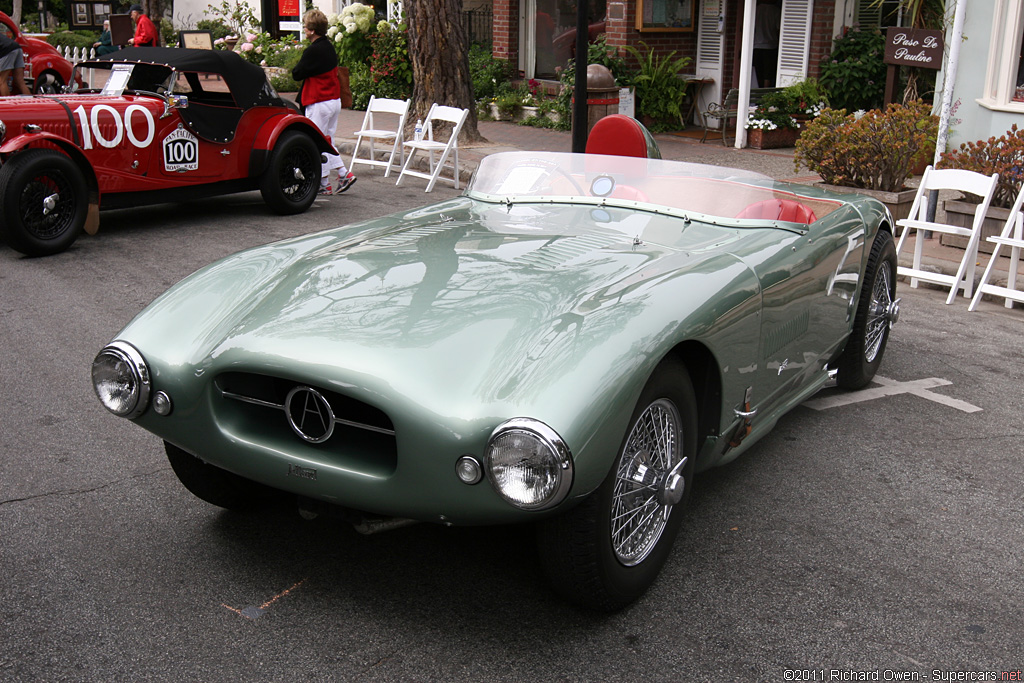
(320, 93)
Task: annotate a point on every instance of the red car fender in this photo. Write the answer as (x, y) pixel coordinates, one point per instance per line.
(272, 129)
(29, 140)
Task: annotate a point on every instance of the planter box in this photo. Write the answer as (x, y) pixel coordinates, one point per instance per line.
(772, 139)
(496, 113)
(962, 214)
(523, 113)
(899, 203)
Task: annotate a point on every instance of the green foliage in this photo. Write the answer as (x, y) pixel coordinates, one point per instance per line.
(876, 151)
(390, 64)
(217, 28)
(854, 75)
(360, 82)
(775, 110)
(487, 72)
(806, 97)
(1003, 155)
(168, 36)
(73, 39)
(236, 15)
(659, 93)
(284, 83)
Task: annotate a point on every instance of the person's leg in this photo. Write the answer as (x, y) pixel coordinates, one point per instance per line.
(4, 77)
(319, 114)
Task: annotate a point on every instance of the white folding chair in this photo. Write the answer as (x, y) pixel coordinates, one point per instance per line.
(373, 130)
(1014, 224)
(947, 179)
(438, 113)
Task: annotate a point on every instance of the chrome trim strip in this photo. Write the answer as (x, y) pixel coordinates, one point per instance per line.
(280, 406)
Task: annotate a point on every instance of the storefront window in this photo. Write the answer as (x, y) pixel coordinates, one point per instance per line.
(555, 33)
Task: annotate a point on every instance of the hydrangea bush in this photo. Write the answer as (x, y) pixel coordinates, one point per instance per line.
(350, 31)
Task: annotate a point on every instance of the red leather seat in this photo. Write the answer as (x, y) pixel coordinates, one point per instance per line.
(622, 136)
(779, 210)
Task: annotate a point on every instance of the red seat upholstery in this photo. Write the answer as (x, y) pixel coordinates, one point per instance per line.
(779, 210)
(618, 135)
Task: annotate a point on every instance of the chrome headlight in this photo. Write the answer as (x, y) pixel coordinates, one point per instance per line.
(3, 131)
(528, 464)
(121, 380)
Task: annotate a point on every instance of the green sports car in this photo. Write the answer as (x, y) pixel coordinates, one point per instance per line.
(566, 343)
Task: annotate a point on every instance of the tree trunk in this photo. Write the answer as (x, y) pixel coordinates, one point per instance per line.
(440, 61)
(16, 12)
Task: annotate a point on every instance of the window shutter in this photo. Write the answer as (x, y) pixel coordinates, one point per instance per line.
(794, 41)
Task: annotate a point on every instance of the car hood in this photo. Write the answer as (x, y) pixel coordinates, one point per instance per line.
(489, 302)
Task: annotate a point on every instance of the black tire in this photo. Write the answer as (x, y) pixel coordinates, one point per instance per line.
(44, 202)
(217, 486)
(877, 311)
(582, 556)
(292, 178)
(48, 83)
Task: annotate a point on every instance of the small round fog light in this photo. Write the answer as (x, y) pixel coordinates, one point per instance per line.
(162, 404)
(469, 470)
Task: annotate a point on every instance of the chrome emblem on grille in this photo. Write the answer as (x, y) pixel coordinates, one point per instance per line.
(309, 414)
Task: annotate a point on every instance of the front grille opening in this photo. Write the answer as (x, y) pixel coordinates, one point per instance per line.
(363, 436)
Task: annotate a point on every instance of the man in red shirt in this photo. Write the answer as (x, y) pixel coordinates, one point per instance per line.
(146, 34)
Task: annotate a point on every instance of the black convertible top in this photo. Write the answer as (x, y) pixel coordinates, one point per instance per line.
(248, 82)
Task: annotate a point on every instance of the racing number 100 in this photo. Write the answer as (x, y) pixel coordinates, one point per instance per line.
(91, 126)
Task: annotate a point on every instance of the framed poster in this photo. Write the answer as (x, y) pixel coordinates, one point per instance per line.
(195, 40)
(80, 13)
(664, 15)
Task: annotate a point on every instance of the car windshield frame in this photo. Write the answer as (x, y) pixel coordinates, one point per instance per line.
(689, 191)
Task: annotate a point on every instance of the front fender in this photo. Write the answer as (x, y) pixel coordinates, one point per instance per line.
(274, 128)
(29, 140)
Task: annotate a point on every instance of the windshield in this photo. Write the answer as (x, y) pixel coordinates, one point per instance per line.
(111, 78)
(671, 187)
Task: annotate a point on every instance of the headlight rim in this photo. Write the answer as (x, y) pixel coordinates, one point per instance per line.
(554, 443)
(133, 357)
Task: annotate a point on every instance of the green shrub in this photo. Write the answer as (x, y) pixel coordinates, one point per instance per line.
(854, 74)
(217, 28)
(876, 151)
(390, 64)
(360, 82)
(1003, 155)
(659, 92)
(487, 73)
(73, 39)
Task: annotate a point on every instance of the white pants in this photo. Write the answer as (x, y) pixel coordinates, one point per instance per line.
(325, 116)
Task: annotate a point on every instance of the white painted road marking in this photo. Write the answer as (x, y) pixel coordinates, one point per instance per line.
(890, 387)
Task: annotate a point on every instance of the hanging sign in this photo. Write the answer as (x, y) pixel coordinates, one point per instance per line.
(913, 47)
(288, 8)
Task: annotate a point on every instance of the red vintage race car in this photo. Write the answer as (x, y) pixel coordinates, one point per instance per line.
(46, 71)
(144, 126)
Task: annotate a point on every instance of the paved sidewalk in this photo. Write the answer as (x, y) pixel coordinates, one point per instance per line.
(504, 136)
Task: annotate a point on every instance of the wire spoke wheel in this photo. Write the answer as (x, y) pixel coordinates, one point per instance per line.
(639, 510)
(878, 321)
(47, 204)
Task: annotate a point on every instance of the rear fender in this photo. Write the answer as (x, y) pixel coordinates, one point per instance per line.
(41, 139)
(273, 129)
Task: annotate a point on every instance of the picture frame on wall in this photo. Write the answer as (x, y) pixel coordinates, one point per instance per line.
(665, 15)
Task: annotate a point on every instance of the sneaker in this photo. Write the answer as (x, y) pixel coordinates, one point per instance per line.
(325, 190)
(346, 182)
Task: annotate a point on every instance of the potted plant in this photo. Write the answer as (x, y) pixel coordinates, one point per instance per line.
(1003, 155)
(872, 153)
(771, 125)
(659, 89)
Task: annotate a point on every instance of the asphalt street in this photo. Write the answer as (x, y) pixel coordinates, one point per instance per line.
(880, 536)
